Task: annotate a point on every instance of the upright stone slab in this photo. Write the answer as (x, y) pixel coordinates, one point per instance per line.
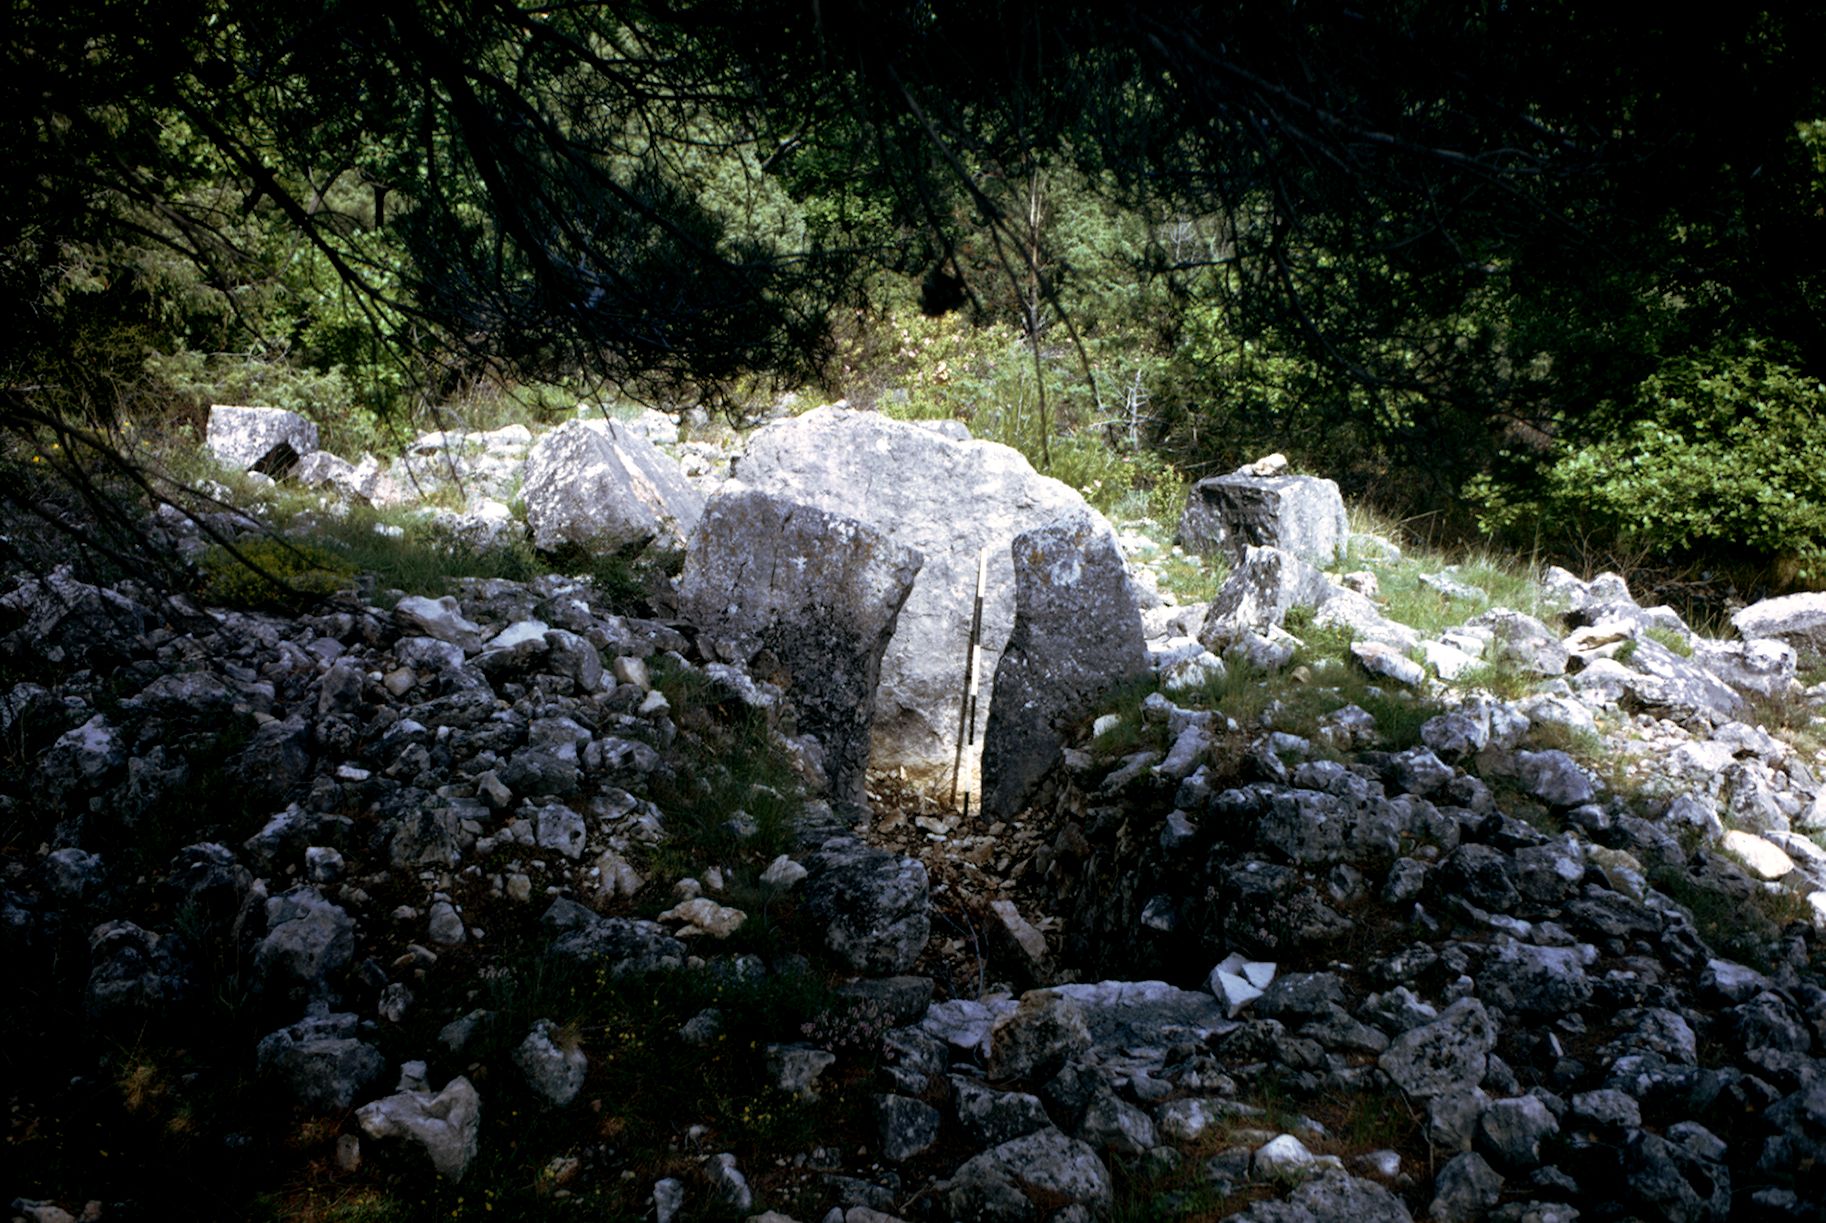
(241, 437)
(600, 485)
(1304, 515)
(819, 593)
(948, 497)
(1077, 638)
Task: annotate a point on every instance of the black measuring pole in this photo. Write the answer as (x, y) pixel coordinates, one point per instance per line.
(973, 656)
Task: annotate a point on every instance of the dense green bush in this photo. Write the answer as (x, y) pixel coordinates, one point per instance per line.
(1716, 453)
(272, 573)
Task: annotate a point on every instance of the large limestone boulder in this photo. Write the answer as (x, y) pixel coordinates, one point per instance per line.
(1077, 638)
(949, 498)
(600, 485)
(1304, 515)
(1797, 620)
(265, 438)
(819, 594)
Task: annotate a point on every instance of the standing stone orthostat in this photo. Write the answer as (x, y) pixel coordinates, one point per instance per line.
(1077, 638)
(816, 591)
(1303, 515)
(928, 487)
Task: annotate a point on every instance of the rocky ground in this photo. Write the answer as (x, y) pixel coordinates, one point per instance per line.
(541, 899)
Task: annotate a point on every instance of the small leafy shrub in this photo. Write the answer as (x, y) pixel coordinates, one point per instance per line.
(1192, 579)
(1131, 733)
(1498, 678)
(271, 573)
(1118, 481)
(1716, 452)
(1318, 643)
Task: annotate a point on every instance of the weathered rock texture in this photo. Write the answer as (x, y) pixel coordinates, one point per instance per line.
(1303, 515)
(245, 437)
(1077, 638)
(819, 594)
(598, 484)
(949, 499)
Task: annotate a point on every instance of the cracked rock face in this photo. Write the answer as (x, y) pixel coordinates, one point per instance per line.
(874, 905)
(1028, 1178)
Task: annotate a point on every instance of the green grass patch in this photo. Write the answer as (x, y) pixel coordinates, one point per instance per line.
(1131, 733)
(1188, 577)
(1279, 698)
(1499, 678)
(412, 553)
(726, 767)
(271, 573)
(1502, 580)
(1790, 717)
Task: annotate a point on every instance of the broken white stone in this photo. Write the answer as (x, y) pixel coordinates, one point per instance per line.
(1020, 931)
(446, 1125)
(1764, 858)
(439, 618)
(615, 876)
(705, 916)
(1286, 1157)
(519, 633)
(1385, 660)
(1238, 982)
(782, 872)
(1448, 662)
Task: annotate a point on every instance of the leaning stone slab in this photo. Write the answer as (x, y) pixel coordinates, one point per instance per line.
(601, 485)
(242, 437)
(948, 498)
(1077, 638)
(1259, 593)
(1227, 515)
(820, 594)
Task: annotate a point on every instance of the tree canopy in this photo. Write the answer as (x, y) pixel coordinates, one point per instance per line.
(1457, 238)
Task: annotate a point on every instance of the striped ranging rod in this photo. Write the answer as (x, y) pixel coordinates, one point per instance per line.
(973, 677)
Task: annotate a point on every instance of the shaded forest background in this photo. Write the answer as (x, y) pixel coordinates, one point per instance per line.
(1553, 272)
